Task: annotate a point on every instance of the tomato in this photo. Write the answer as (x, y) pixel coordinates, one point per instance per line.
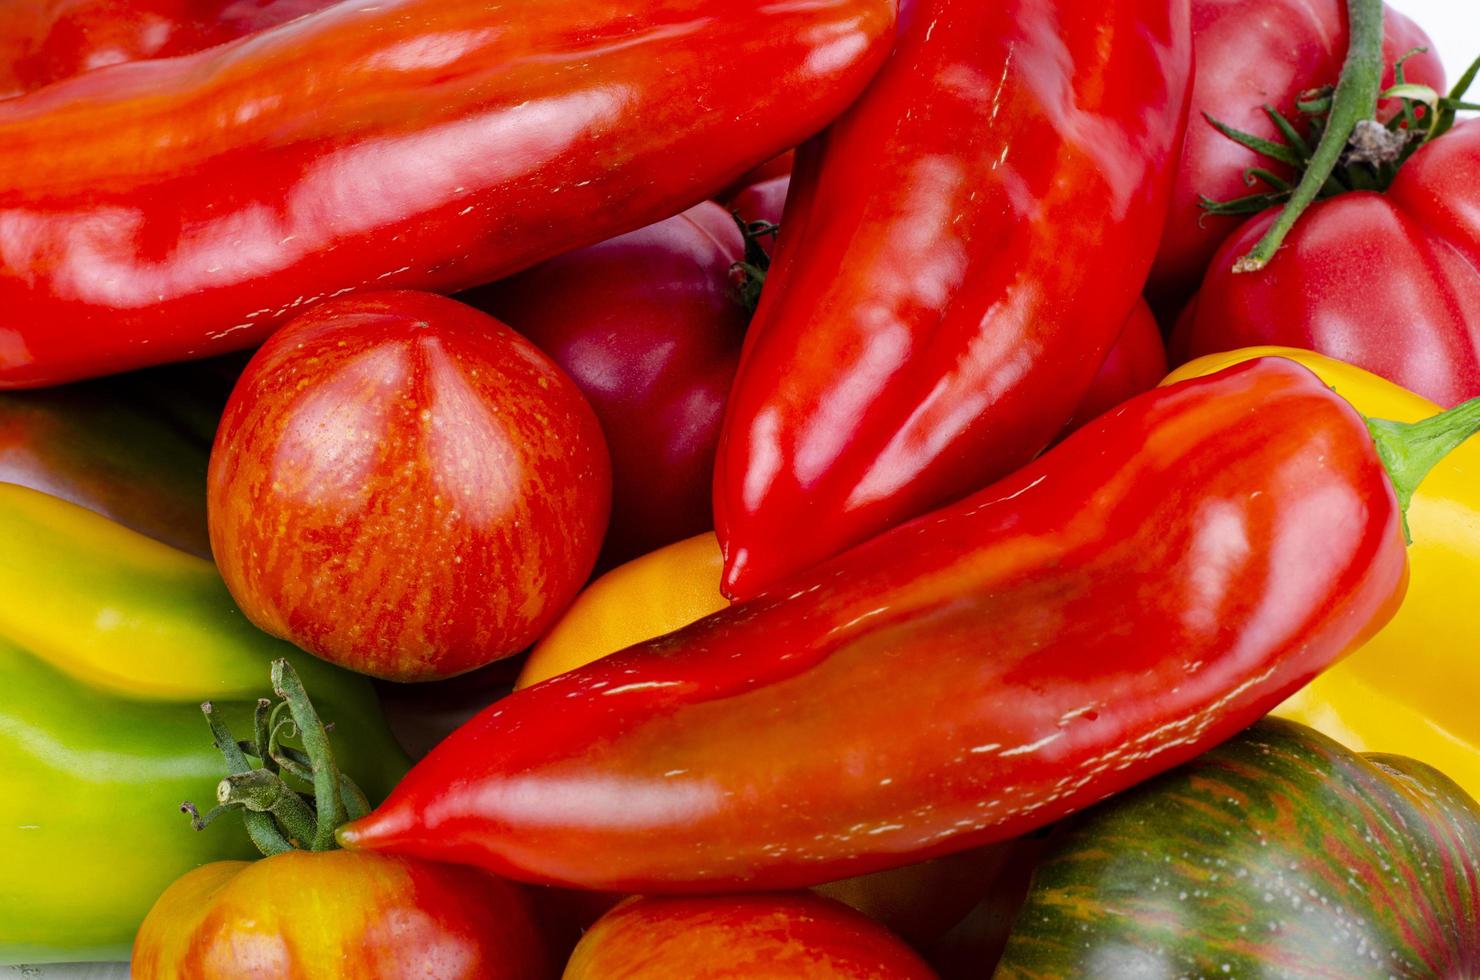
(1249, 53)
(778, 166)
(650, 327)
(1386, 281)
(333, 914)
(44, 42)
(404, 486)
(790, 936)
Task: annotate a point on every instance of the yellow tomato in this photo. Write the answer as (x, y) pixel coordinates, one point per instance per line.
(647, 597)
(1411, 690)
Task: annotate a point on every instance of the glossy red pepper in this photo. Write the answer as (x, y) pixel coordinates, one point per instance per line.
(1164, 577)
(1252, 53)
(45, 42)
(177, 207)
(985, 216)
(649, 326)
(1137, 361)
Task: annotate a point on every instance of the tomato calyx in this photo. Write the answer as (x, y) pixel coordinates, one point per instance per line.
(1345, 148)
(279, 815)
(1374, 152)
(749, 274)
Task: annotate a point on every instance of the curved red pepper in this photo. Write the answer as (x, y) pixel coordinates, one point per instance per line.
(985, 218)
(179, 207)
(1163, 578)
(41, 43)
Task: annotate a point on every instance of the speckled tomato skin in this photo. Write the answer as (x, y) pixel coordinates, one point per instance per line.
(795, 936)
(334, 915)
(405, 487)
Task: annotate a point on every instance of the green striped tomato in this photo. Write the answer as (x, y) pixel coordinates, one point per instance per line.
(1278, 854)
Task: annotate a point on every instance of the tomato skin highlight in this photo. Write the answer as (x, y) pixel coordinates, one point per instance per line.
(406, 487)
(1061, 624)
(793, 936)
(649, 326)
(334, 915)
(958, 252)
(45, 42)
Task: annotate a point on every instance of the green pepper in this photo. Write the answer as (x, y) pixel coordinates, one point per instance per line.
(109, 642)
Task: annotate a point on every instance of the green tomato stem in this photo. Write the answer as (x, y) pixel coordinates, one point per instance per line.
(1354, 100)
(260, 826)
(263, 791)
(330, 809)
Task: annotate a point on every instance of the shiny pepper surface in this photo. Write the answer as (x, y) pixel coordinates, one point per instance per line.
(1411, 690)
(1161, 579)
(959, 251)
(177, 207)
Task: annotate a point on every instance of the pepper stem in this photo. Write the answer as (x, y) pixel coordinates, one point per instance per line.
(1410, 450)
(1354, 100)
(279, 817)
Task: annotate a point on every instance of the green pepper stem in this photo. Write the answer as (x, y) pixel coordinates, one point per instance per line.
(1410, 450)
(1354, 100)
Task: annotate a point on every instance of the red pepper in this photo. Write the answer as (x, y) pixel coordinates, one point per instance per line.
(1137, 363)
(984, 220)
(649, 326)
(41, 43)
(1252, 53)
(179, 207)
(1161, 579)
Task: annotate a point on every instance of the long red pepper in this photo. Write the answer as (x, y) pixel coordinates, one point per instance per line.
(959, 253)
(1161, 579)
(44, 41)
(179, 207)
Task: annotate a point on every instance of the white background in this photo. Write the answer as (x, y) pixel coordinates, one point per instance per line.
(1455, 27)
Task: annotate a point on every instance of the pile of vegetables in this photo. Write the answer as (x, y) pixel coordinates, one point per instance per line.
(475, 503)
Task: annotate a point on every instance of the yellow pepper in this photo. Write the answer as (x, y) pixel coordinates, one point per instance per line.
(1411, 690)
(651, 595)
